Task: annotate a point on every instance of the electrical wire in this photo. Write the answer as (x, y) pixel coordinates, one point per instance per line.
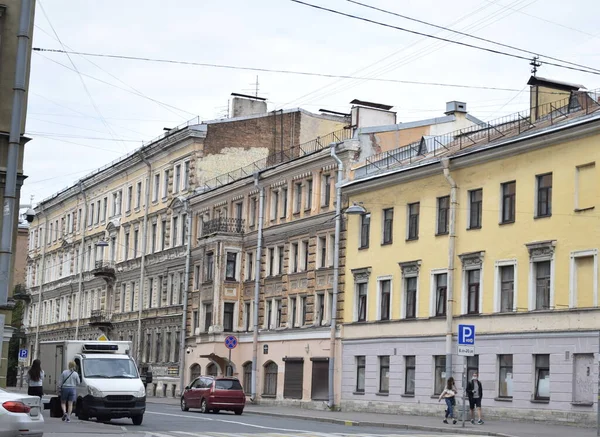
(468, 35)
(485, 49)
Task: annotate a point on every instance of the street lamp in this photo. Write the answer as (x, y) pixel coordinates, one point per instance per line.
(356, 209)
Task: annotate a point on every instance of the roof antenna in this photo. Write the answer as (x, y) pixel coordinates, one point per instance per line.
(535, 63)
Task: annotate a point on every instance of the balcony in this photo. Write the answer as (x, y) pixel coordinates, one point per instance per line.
(101, 319)
(105, 269)
(223, 226)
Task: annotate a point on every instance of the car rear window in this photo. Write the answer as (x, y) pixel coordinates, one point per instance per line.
(228, 384)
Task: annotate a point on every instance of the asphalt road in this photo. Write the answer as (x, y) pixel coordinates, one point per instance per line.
(170, 421)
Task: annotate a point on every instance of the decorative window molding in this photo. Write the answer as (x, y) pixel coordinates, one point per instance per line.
(472, 260)
(540, 251)
(361, 275)
(573, 275)
(302, 176)
(410, 269)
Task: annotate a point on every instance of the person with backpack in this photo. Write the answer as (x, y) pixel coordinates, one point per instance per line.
(475, 393)
(449, 395)
(69, 380)
(35, 379)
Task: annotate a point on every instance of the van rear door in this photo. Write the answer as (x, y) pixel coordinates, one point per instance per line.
(228, 391)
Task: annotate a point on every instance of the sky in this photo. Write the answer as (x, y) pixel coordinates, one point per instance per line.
(85, 112)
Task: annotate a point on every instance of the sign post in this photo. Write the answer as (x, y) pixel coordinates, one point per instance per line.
(231, 342)
(466, 348)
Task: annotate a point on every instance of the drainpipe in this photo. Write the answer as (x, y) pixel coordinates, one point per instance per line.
(143, 260)
(39, 321)
(451, 255)
(81, 256)
(14, 144)
(336, 273)
(257, 285)
(185, 295)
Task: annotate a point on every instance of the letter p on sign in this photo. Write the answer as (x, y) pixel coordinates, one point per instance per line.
(466, 334)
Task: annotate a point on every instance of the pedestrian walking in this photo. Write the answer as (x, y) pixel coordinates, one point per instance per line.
(35, 379)
(475, 393)
(69, 380)
(449, 395)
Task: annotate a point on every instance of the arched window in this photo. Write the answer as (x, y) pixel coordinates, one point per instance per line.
(248, 377)
(211, 369)
(195, 371)
(270, 388)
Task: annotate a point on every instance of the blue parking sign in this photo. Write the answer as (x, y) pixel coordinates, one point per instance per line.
(466, 335)
(23, 354)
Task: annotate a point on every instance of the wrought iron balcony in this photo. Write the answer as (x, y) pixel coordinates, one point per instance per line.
(100, 318)
(223, 226)
(104, 269)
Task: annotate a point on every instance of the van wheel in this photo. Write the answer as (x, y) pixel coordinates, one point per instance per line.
(204, 406)
(184, 406)
(137, 420)
(80, 411)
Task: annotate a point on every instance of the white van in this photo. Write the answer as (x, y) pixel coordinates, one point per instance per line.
(110, 388)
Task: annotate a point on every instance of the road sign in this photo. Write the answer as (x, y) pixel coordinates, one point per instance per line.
(103, 338)
(23, 354)
(466, 335)
(231, 342)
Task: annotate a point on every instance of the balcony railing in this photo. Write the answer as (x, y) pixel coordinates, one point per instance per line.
(100, 317)
(104, 268)
(223, 226)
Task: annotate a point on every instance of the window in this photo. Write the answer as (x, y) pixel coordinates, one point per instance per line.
(409, 374)
(278, 313)
(252, 212)
(443, 208)
(365, 222)
(320, 308)
(362, 302)
(280, 253)
(156, 188)
(104, 212)
(298, 199)
(293, 312)
(177, 346)
(163, 235)
(90, 221)
(388, 222)
(384, 374)
(153, 242)
(186, 175)
(230, 269)
(136, 237)
(196, 276)
(507, 288)
(473, 283)
(384, 304)
(544, 195)
(132, 296)
(129, 198)
(138, 195)
(184, 229)
(410, 285)
(284, 202)
(322, 252)
(542, 377)
(158, 356)
(249, 265)
(168, 346)
(475, 211)
(472, 366)
(126, 245)
(207, 316)
(122, 297)
(150, 292)
(148, 347)
(360, 374)
(413, 221)
(274, 204)
(165, 184)
(175, 231)
(441, 289)
(270, 388)
(269, 317)
(294, 258)
(195, 321)
(210, 266)
(228, 308)
(95, 221)
(439, 374)
(542, 285)
(247, 378)
(247, 323)
(505, 378)
(326, 190)
(271, 261)
(309, 194)
(508, 202)
(177, 180)
(305, 255)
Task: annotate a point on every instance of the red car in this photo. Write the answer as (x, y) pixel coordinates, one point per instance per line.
(209, 393)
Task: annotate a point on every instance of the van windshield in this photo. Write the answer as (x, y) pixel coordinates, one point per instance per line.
(228, 384)
(109, 368)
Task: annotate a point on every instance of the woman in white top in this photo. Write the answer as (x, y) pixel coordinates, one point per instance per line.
(35, 379)
(448, 395)
(69, 380)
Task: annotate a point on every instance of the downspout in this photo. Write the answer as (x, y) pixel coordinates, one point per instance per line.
(185, 292)
(143, 260)
(336, 273)
(451, 255)
(39, 321)
(81, 256)
(257, 286)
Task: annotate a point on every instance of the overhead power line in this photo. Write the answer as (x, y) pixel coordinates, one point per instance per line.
(508, 46)
(268, 70)
(473, 46)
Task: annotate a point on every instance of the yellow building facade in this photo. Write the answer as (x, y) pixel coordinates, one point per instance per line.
(523, 269)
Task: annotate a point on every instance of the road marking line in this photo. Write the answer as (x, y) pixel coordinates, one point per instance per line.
(123, 428)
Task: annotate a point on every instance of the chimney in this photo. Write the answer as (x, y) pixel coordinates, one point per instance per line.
(369, 114)
(244, 105)
(545, 95)
(455, 106)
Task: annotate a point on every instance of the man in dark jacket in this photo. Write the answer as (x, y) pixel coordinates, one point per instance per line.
(475, 393)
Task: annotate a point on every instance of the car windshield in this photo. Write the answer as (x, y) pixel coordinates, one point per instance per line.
(109, 368)
(228, 384)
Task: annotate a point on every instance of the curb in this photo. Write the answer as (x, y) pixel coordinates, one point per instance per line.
(463, 431)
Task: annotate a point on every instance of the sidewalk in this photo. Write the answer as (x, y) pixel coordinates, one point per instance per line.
(417, 423)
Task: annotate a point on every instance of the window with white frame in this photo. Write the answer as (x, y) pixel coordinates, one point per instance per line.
(252, 212)
(292, 311)
(247, 316)
(583, 274)
(138, 195)
(156, 187)
(207, 311)
(326, 190)
(129, 199)
(505, 287)
(410, 292)
(385, 296)
(165, 188)
(361, 280)
(472, 271)
(271, 261)
(186, 175)
(284, 202)
(297, 197)
(249, 265)
(269, 315)
(177, 179)
(319, 309)
(274, 204)
(280, 259)
(174, 230)
(322, 252)
(440, 293)
(294, 258)
(231, 273)
(541, 275)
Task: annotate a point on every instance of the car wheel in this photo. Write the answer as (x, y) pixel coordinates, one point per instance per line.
(216, 411)
(204, 406)
(80, 411)
(238, 412)
(103, 419)
(137, 420)
(184, 406)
